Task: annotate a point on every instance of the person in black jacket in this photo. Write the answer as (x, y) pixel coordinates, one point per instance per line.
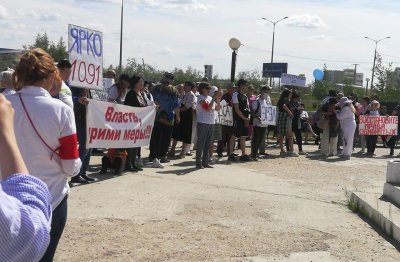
(134, 98)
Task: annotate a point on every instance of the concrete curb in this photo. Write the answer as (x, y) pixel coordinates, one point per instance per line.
(381, 213)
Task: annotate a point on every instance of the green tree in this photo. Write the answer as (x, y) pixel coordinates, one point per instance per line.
(57, 50)
(253, 77)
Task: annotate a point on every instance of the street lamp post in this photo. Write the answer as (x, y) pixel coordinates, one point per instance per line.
(234, 44)
(273, 39)
(366, 87)
(373, 67)
(120, 40)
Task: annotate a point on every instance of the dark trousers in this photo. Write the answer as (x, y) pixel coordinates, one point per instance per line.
(392, 143)
(299, 140)
(133, 153)
(59, 218)
(227, 133)
(106, 163)
(258, 134)
(84, 153)
(371, 144)
(160, 140)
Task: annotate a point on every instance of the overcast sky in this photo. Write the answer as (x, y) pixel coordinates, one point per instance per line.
(181, 33)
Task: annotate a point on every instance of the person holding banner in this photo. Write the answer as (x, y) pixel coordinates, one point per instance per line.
(372, 139)
(227, 131)
(48, 144)
(259, 125)
(393, 140)
(346, 116)
(206, 108)
(134, 98)
(118, 91)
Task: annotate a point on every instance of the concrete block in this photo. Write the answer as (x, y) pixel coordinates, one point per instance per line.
(393, 171)
(381, 213)
(392, 193)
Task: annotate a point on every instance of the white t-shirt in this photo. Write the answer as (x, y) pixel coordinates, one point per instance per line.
(304, 114)
(261, 109)
(113, 95)
(203, 116)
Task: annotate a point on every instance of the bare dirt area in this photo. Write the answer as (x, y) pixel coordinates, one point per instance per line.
(276, 209)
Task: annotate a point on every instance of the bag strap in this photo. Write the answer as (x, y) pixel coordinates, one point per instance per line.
(53, 151)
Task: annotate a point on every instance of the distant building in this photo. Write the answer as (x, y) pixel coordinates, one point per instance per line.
(9, 57)
(345, 76)
(208, 71)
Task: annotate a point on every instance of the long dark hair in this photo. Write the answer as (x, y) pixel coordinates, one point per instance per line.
(285, 94)
(134, 80)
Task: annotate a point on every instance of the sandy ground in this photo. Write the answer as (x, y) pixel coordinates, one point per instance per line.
(277, 209)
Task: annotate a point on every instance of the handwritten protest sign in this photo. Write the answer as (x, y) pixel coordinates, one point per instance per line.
(378, 125)
(102, 95)
(225, 115)
(268, 115)
(293, 80)
(112, 125)
(85, 49)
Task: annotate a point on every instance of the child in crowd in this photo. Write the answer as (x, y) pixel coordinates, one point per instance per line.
(115, 159)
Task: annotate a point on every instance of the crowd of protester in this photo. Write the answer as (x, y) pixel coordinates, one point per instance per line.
(50, 126)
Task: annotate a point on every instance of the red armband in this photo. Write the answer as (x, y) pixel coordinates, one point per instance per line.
(205, 105)
(69, 147)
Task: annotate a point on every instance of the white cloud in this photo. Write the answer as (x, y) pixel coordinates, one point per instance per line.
(164, 51)
(186, 5)
(321, 37)
(305, 20)
(43, 16)
(3, 12)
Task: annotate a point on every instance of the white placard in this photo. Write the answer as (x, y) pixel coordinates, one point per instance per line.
(85, 49)
(268, 115)
(293, 80)
(111, 125)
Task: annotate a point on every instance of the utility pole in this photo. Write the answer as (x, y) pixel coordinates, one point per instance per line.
(355, 73)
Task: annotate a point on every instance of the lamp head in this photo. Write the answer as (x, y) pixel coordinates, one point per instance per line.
(234, 44)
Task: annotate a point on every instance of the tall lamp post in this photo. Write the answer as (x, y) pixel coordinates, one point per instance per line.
(273, 39)
(373, 67)
(234, 44)
(120, 40)
(366, 87)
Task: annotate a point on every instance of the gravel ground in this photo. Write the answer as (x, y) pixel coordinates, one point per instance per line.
(276, 209)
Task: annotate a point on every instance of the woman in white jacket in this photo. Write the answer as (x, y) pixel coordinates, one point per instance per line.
(46, 134)
(347, 124)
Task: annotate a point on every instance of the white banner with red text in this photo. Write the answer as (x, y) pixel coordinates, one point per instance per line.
(112, 125)
(85, 50)
(378, 125)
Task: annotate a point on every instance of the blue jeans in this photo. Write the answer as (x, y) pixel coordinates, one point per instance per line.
(84, 153)
(59, 218)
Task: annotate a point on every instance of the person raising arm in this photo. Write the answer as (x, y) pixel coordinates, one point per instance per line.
(25, 209)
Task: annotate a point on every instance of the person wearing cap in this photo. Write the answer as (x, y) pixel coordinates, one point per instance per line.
(205, 111)
(65, 94)
(347, 124)
(259, 126)
(166, 98)
(6, 86)
(372, 139)
(118, 91)
(228, 138)
(111, 74)
(241, 116)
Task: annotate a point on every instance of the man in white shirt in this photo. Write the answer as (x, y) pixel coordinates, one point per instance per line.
(259, 124)
(65, 95)
(261, 149)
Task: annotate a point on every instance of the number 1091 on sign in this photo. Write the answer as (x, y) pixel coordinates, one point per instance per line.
(85, 72)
